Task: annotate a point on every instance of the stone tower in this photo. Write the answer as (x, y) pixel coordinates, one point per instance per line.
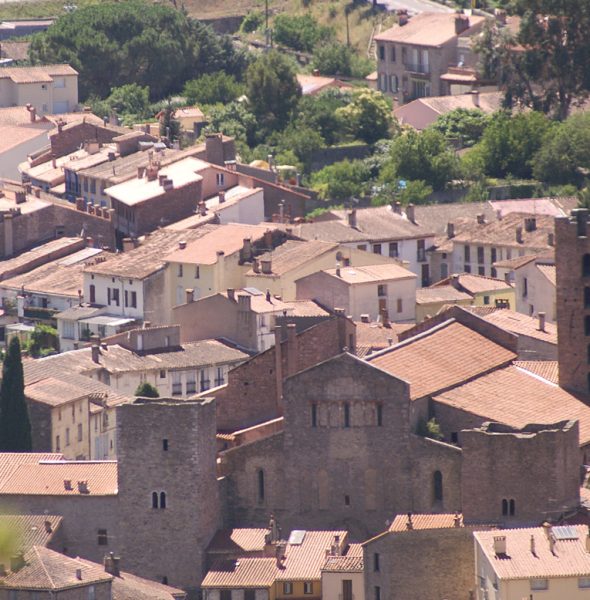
(168, 491)
(572, 260)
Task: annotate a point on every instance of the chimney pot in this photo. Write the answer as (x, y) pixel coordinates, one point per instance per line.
(500, 545)
(365, 318)
(541, 316)
(79, 574)
(190, 295)
(182, 244)
(95, 353)
(266, 266)
(519, 239)
(352, 218)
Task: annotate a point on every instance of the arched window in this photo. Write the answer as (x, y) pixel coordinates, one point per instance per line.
(437, 479)
(504, 507)
(154, 499)
(162, 499)
(260, 478)
(586, 265)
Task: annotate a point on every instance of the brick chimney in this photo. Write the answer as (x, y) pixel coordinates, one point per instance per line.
(352, 218)
(190, 295)
(32, 112)
(450, 230)
(385, 317)
(541, 316)
(268, 238)
(266, 266)
(111, 564)
(95, 353)
(519, 239)
(411, 213)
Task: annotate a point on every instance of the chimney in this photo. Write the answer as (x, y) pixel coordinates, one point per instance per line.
(17, 562)
(450, 230)
(190, 295)
(140, 172)
(231, 294)
(221, 196)
(551, 239)
(500, 545)
(266, 266)
(202, 208)
(410, 213)
(365, 318)
(256, 266)
(48, 528)
(541, 316)
(68, 485)
(519, 235)
(53, 163)
(385, 317)
(280, 555)
(268, 296)
(475, 97)
(457, 520)
(461, 24)
(83, 487)
(111, 156)
(95, 353)
(338, 273)
(397, 207)
(168, 184)
(32, 113)
(111, 564)
(409, 524)
(581, 217)
(128, 244)
(268, 238)
(292, 349)
(481, 219)
(20, 196)
(352, 218)
(79, 574)
(533, 549)
(182, 244)
(247, 249)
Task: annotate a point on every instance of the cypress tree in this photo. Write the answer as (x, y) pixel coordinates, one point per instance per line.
(15, 427)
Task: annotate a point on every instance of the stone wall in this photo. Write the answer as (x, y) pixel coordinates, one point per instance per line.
(40, 418)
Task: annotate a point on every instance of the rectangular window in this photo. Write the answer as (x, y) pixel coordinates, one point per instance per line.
(314, 415)
(376, 248)
(93, 186)
(80, 432)
(176, 383)
(467, 268)
(381, 52)
(165, 445)
(361, 246)
(494, 272)
(205, 382)
(347, 589)
(379, 415)
(197, 272)
(421, 254)
(287, 588)
(116, 296)
(393, 84)
(399, 305)
(584, 582)
(381, 290)
(108, 295)
(486, 299)
(162, 374)
(191, 382)
(59, 82)
(133, 299)
(126, 296)
(467, 254)
(57, 443)
(494, 254)
(103, 538)
(219, 377)
(539, 584)
(92, 294)
(393, 54)
(376, 562)
(525, 287)
(91, 592)
(481, 271)
(67, 436)
(308, 587)
(480, 255)
(180, 270)
(220, 178)
(377, 593)
(346, 414)
(393, 250)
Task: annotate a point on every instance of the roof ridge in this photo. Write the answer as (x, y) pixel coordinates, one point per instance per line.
(36, 550)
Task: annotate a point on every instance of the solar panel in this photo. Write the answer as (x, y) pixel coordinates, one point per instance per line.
(296, 537)
(565, 532)
(253, 291)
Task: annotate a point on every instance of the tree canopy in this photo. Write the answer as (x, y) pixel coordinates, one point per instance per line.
(341, 181)
(368, 116)
(462, 124)
(15, 427)
(112, 44)
(212, 88)
(146, 390)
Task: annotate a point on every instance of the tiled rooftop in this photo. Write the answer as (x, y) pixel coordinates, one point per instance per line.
(478, 284)
(306, 308)
(440, 293)
(46, 478)
(149, 257)
(428, 29)
(426, 521)
(517, 397)
(350, 562)
(569, 557)
(371, 337)
(42, 74)
(371, 273)
(549, 271)
(30, 530)
(226, 238)
(238, 540)
(547, 369)
(259, 302)
(552, 207)
(441, 358)
(241, 573)
(46, 569)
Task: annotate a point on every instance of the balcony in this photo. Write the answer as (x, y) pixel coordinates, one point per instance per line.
(417, 68)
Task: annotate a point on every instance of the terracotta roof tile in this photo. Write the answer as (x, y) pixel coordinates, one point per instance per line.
(517, 323)
(547, 369)
(350, 562)
(306, 308)
(569, 558)
(441, 357)
(42, 74)
(11, 461)
(476, 284)
(371, 337)
(429, 29)
(440, 293)
(549, 271)
(46, 569)
(30, 530)
(238, 540)
(516, 397)
(46, 478)
(426, 521)
(241, 573)
(371, 273)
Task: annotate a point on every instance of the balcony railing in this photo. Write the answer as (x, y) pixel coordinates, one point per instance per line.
(417, 68)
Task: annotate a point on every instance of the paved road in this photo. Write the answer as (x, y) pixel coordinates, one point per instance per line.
(416, 6)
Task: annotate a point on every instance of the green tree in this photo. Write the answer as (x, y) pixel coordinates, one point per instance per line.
(112, 44)
(169, 125)
(300, 140)
(334, 58)
(44, 340)
(321, 114)
(272, 90)
(15, 427)
(564, 154)
(341, 181)
(131, 102)
(146, 390)
(424, 156)
(510, 143)
(368, 117)
(300, 32)
(465, 125)
(233, 119)
(545, 66)
(212, 88)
